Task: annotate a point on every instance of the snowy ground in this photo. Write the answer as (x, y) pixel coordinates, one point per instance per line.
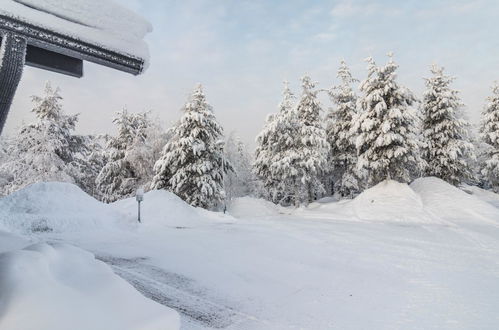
(397, 257)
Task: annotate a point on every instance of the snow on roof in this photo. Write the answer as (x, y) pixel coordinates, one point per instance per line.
(100, 22)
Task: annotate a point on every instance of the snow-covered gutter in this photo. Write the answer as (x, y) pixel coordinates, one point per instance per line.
(59, 35)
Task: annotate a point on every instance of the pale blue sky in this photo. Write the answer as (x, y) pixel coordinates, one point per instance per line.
(242, 50)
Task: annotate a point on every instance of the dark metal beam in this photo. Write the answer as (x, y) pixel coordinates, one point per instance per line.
(13, 49)
(47, 60)
(70, 46)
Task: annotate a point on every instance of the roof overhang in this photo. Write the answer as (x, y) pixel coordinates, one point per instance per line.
(44, 42)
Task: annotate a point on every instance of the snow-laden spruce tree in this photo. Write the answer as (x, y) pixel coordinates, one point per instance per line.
(285, 162)
(447, 148)
(310, 155)
(46, 150)
(276, 157)
(387, 144)
(239, 182)
(192, 162)
(489, 134)
(129, 157)
(342, 165)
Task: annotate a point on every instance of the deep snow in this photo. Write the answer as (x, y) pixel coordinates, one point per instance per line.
(60, 287)
(424, 256)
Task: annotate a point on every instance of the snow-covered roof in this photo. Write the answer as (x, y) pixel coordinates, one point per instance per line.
(102, 23)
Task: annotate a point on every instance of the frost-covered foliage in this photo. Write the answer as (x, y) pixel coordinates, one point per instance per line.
(489, 134)
(129, 156)
(342, 166)
(276, 156)
(46, 150)
(241, 181)
(4, 174)
(447, 148)
(386, 126)
(192, 162)
(312, 150)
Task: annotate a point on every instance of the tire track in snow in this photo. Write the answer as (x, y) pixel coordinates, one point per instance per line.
(178, 292)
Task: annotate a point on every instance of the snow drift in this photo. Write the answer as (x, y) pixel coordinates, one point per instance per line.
(68, 276)
(54, 206)
(451, 203)
(161, 207)
(391, 201)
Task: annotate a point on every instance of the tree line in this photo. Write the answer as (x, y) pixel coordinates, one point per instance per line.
(304, 152)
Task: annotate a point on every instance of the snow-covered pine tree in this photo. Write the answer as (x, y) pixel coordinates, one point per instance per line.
(241, 181)
(46, 150)
(263, 158)
(192, 162)
(447, 148)
(276, 154)
(489, 134)
(128, 156)
(285, 162)
(310, 157)
(342, 165)
(387, 144)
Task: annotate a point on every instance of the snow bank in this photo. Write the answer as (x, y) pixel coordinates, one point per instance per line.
(101, 22)
(252, 207)
(54, 206)
(452, 203)
(482, 194)
(390, 201)
(161, 207)
(62, 287)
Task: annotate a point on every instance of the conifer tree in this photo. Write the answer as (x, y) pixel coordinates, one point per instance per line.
(126, 169)
(342, 175)
(387, 145)
(489, 133)
(275, 164)
(192, 162)
(285, 167)
(239, 182)
(311, 154)
(447, 148)
(46, 150)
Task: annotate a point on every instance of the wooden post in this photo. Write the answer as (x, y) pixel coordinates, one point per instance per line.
(12, 58)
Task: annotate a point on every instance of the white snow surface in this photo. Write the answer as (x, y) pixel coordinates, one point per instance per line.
(54, 206)
(452, 203)
(252, 207)
(62, 287)
(101, 22)
(421, 256)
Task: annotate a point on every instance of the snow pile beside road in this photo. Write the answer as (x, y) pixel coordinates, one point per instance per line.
(453, 204)
(482, 194)
(391, 201)
(54, 206)
(253, 207)
(161, 207)
(62, 287)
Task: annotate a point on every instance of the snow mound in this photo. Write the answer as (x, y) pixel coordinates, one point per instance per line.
(62, 287)
(391, 201)
(161, 207)
(53, 206)
(482, 194)
(249, 207)
(452, 203)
